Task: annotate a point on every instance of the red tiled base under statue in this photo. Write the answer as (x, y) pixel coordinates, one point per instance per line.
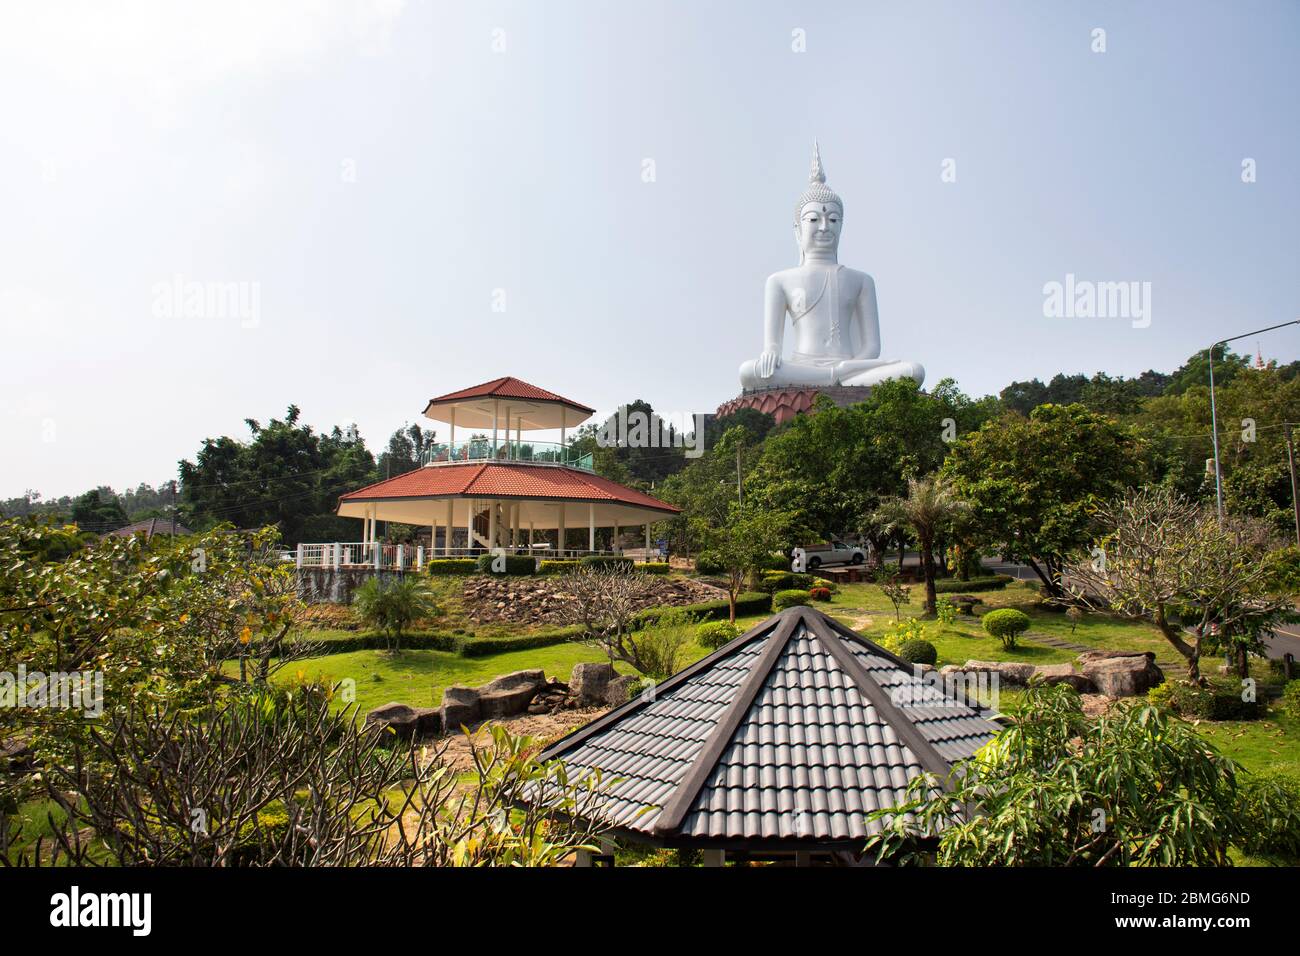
(784, 404)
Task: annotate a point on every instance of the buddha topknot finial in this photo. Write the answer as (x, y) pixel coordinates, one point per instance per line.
(817, 190)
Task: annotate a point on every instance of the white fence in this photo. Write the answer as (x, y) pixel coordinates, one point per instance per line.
(401, 557)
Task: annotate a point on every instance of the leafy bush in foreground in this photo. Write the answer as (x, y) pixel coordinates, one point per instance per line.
(1133, 787)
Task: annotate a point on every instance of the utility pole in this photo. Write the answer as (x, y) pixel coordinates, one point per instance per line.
(1290, 460)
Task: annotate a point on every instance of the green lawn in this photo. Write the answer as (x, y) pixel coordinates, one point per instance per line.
(418, 677)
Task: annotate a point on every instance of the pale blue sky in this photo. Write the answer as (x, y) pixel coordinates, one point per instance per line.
(141, 141)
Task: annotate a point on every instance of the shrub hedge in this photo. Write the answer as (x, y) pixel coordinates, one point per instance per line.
(516, 564)
(790, 598)
(462, 644)
(953, 586)
(749, 602)
(459, 566)
(557, 566)
(774, 581)
(655, 567)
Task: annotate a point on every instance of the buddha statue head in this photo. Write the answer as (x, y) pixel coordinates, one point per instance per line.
(818, 216)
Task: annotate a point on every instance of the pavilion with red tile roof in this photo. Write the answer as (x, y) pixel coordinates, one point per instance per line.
(501, 491)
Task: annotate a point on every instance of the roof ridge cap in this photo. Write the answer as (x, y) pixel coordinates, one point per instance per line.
(601, 723)
(688, 790)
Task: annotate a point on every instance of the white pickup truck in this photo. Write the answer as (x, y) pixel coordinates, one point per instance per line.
(835, 551)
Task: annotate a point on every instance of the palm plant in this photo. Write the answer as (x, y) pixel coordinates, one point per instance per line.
(931, 506)
(391, 606)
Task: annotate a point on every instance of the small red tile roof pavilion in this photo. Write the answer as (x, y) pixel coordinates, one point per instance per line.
(507, 387)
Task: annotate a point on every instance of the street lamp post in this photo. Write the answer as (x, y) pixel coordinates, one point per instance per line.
(1214, 415)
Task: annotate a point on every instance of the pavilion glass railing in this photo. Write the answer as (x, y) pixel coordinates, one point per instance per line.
(482, 449)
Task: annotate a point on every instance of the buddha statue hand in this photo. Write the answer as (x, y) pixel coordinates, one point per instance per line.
(768, 362)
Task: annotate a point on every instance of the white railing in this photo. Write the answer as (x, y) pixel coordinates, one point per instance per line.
(359, 554)
(406, 557)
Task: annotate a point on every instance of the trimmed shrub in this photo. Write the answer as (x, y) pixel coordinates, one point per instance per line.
(790, 598)
(775, 562)
(826, 583)
(654, 567)
(953, 586)
(713, 634)
(1218, 700)
(608, 561)
(1006, 624)
(458, 566)
(918, 652)
(708, 563)
(557, 566)
(515, 564)
(774, 581)
(819, 593)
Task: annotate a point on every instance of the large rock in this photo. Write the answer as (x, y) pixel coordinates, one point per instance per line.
(405, 721)
(1121, 674)
(460, 706)
(618, 690)
(510, 694)
(1061, 674)
(1009, 672)
(589, 683)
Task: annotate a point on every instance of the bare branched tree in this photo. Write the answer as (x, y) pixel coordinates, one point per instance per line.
(604, 603)
(1167, 560)
(299, 784)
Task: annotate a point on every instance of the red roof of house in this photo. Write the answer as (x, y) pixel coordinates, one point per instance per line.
(494, 480)
(509, 387)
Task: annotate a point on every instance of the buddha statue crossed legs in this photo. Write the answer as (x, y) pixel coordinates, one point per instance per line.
(832, 309)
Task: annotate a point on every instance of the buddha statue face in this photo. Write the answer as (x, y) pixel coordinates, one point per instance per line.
(818, 230)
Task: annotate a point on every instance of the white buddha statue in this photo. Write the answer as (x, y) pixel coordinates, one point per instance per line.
(832, 308)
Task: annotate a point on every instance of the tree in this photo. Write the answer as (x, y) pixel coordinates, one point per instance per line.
(931, 506)
(1164, 559)
(744, 543)
(708, 487)
(98, 510)
(1134, 787)
(405, 450)
(286, 475)
(1033, 483)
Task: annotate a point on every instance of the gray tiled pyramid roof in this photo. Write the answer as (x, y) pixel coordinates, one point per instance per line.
(791, 733)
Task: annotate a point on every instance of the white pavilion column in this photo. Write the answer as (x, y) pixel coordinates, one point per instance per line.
(451, 503)
(647, 541)
(559, 541)
(452, 439)
(469, 524)
(496, 405)
(514, 524)
(591, 527)
(492, 521)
